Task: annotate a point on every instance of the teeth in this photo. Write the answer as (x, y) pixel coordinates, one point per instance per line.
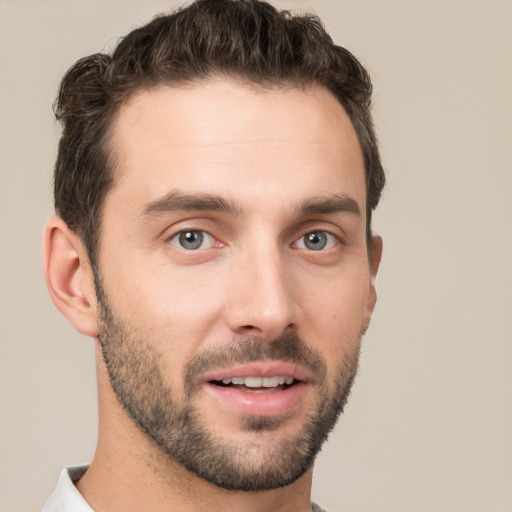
(270, 382)
(253, 382)
(258, 382)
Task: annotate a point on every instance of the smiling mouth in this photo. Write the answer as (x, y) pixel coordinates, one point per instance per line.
(257, 384)
(259, 389)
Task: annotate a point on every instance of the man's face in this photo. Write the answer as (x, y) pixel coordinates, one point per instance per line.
(235, 282)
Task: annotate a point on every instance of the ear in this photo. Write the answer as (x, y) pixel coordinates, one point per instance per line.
(69, 276)
(374, 257)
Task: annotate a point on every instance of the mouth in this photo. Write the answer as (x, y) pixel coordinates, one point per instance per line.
(265, 389)
(257, 384)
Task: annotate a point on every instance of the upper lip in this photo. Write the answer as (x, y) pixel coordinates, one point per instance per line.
(259, 369)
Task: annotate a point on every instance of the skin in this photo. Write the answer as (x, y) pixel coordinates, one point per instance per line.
(268, 151)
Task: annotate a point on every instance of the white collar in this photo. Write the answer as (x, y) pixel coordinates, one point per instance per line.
(65, 497)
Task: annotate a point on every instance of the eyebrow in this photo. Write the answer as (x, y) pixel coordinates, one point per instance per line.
(176, 201)
(180, 202)
(332, 204)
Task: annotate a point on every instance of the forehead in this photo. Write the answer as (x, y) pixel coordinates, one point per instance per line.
(219, 136)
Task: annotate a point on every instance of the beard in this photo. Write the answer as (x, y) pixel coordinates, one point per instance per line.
(137, 376)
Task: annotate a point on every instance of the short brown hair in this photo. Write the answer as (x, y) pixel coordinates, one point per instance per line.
(245, 39)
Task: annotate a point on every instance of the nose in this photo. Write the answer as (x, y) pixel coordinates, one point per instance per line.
(262, 299)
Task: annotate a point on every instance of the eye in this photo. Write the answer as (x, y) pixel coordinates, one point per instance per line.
(317, 241)
(191, 240)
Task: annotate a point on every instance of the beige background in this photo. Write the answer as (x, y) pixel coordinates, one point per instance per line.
(429, 424)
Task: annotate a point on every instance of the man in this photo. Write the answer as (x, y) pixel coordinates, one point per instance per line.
(214, 187)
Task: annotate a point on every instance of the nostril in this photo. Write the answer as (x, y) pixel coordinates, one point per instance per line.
(289, 327)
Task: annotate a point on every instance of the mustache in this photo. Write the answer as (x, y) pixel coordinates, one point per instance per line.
(287, 347)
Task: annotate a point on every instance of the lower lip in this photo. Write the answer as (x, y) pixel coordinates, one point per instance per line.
(267, 403)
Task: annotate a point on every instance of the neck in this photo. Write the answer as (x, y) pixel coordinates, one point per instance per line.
(108, 486)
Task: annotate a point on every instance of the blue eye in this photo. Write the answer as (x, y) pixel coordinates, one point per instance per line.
(317, 241)
(191, 240)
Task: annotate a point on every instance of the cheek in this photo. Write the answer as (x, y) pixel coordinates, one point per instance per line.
(336, 314)
(175, 308)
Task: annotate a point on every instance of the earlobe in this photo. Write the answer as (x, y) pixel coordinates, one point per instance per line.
(374, 255)
(69, 276)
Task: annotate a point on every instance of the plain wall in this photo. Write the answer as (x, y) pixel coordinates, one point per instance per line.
(429, 422)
